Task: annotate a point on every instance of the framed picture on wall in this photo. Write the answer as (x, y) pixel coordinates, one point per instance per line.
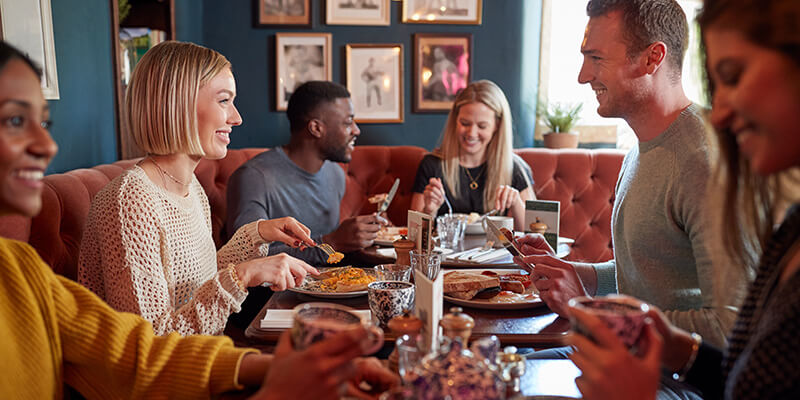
(442, 67)
(283, 12)
(466, 12)
(357, 12)
(299, 58)
(28, 26)
(374, 75)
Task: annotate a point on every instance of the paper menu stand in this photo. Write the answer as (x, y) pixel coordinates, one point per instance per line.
(548, 212)
(419, 230)
(429, 298)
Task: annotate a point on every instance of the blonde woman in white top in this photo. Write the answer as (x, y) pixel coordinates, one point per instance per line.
(147, 247)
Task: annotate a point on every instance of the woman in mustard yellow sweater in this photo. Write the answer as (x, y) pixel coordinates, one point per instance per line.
(56, 332)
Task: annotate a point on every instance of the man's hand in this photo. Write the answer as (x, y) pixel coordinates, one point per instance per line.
(372, 372)
(356, 233)
(322, 371)
(557, 282)
(534, 244)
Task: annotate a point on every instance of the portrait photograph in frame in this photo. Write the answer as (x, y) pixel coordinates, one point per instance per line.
(28, 26)
(465, 12)
(374, 76)
(357, 12)
(442, 67)
(299, 58)
(283, 12)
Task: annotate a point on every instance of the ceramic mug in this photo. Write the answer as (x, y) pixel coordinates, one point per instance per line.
(500, 222)
(624, 315)
(388, 299)
(318, 321)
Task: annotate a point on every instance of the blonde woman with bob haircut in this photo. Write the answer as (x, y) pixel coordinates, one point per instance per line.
(147, 247)
(475, 167)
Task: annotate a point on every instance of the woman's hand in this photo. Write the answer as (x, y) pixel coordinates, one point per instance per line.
(433, 196)
(287, 230)
(610, 371)
(507, 197)
(282, 271)
(322, 371)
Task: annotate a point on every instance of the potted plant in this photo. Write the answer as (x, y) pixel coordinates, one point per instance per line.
(560, 119)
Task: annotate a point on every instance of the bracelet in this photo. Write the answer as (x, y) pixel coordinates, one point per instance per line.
(681, 375)
(235, 277)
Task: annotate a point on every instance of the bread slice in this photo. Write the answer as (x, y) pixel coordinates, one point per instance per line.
(512, 285)
(464, 285)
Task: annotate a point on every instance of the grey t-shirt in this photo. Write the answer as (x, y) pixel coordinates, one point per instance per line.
(272, 186)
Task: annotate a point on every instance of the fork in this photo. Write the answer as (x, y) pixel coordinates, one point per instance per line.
(333, 255)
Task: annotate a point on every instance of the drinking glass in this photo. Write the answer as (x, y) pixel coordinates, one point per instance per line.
(451, 229)
(393, 272)
(409, 356)
(426, 263)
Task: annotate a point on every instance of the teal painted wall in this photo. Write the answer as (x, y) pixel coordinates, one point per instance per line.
(84, 115)
(505, 48)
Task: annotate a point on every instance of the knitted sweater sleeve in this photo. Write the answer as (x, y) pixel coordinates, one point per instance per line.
(127, 244)
(244, 245)
(109, 354)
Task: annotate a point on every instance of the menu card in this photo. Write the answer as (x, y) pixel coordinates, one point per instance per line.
(419, 230)
(548, 212)
(429, 298)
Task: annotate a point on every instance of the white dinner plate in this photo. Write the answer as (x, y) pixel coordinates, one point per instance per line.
(486, 304)
(329, 295)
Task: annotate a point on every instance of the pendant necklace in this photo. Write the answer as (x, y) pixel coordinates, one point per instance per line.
(473, 184)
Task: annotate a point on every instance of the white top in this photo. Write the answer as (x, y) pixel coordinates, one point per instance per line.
(148, 251)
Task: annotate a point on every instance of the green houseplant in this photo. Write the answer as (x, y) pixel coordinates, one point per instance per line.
(559, 118)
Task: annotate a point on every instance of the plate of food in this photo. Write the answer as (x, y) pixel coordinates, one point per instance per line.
(492, 289)
(337, 283)
(388, 234)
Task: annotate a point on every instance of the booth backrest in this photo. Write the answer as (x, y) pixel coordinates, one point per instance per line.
(583, 180)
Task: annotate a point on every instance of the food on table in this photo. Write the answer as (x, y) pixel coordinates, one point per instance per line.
(335, 257)
(490, 286)
(472, 218)
(378, 198)
(340, 280)
(392, 233)
(466, 285)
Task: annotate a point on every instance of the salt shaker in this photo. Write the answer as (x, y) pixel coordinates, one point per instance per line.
(457, 324)
(402, 247)
(405, 324)
(512, 366)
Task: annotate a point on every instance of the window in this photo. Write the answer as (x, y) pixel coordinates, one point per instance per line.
(563, 24)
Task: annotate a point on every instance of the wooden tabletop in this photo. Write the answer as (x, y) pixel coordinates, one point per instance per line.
(534, 327)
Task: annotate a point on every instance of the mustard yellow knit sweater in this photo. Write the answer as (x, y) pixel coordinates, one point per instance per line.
(55, 331)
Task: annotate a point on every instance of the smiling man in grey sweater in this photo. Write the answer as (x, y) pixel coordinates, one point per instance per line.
(633, 52)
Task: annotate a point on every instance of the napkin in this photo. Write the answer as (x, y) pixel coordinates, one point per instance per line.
(282, 319)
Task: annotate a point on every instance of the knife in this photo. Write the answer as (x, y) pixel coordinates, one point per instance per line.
(385, 205)
(506, 238)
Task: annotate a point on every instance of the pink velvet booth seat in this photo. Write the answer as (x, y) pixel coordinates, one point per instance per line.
(583, 180)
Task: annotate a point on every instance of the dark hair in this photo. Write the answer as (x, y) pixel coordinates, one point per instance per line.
(750, 201)
(646, 22)
(9, 52)
(308, 97)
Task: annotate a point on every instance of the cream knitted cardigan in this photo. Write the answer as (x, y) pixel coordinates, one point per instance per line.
(147, 251)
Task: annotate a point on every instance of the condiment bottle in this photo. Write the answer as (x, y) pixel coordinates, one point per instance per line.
(403, 248)
(538, 226)
(400, 325)
(457, 324)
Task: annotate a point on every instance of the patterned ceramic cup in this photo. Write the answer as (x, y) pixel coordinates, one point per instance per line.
(318, 321)
(388, 299)
(624, 315)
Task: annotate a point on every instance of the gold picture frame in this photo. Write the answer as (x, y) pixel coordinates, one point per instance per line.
(358, 12)
(283, 12)
(442, 67)
(299, 58)
(464, 12)
(374, 77)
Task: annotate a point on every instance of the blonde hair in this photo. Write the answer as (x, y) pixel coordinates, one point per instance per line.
(161, 100)
(500, 151)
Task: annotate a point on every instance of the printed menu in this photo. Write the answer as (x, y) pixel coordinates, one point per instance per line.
(419, 230)
(544, 214)
(429, 298)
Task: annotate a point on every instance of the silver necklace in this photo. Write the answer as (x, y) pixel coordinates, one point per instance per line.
(163, 171)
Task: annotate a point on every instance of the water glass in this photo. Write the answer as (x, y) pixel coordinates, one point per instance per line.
(409, 356)
(451, 228)
(393, 272)
(426, 263)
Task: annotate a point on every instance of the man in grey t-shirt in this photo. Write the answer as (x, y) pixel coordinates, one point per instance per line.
(302, 179)
(633, 52)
